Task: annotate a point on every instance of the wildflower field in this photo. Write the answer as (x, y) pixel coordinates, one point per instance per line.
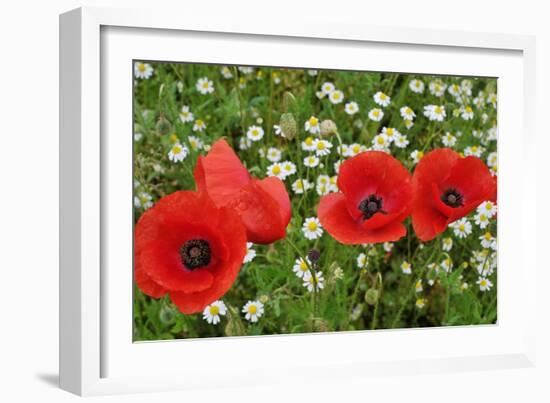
(276, 201)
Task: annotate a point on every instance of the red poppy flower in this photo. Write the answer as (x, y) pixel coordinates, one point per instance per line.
(187, 247)
(263, 205)
(375, 198)
(448, 187)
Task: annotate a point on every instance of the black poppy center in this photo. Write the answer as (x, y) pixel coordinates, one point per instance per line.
(370, 206)
(453, 198)
(195, 253)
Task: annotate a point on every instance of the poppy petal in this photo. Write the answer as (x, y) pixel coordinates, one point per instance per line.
(275, 188)
(334, 216)
(220, 173)
(146, 285)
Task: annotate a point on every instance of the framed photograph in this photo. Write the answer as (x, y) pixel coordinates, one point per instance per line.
(290, 201)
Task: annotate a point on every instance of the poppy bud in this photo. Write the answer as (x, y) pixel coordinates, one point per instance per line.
(163, 126)
(314, 255)
(167, 315)
(328, 128)
(371, 296)
(289, 101)
(288, 126)
(321, 325)
(234, 325)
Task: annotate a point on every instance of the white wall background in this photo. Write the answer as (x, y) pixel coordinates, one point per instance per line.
(29, 201)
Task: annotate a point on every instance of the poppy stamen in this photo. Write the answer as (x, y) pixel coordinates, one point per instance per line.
(453, 198)
(370, 206)
(195, 253)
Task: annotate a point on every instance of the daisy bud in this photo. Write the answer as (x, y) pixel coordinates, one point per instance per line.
(263, 299)
(371, 296)
(163, 126)
(328, 128)
(289, 101)
(288, 126)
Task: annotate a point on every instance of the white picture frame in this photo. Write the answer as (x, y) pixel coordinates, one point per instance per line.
(94, 342)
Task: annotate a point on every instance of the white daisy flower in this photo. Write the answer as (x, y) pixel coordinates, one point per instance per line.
(199, 125)
(250, 253)
(186, 115)
(312, 125)
(455, 90)
(333, 183)
(420, 303)
(274, 154)
(178, 152)
(212, 312)
(380, 142)
(406, 267)
(351, 108)
(337, 166)
(336, 97)
(312, 72)
(461, 228)
(354, 149)
(277, 130)
(437, 88)
(322, 147)
(488, 241)
(401, 141)
(312, 228)
(466, 87)
(205, 86)
(407, 113)
(195, 143)
(246, 70)
(311, 161)
(492, 99)
(301, 185)
(418, 286)
(481, 219)
(301, 267)
(476, 151)
(327, 88)
(322, 189)
(244, 143)
(255, 133)
(307, 144)
(388, 247)
(487, 207)
(492, 159)
(409, 124)
(416, 86)
(138, 136)
(362, 260)
(276, 169)
(313, 281)
(376, 114)
(323, 180)
(435, 112)
(466, 113)
(390, 133)
(289, 168)
(143, 200)
(253, 310)
(143, 71)
(226, 72)
(447, 265)
(447, 244)
(381, 99)
(484, 284)
(416, 156)
(448, 140)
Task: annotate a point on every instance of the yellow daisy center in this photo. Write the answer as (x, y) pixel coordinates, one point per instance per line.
(276, 169)
(488, 236)
(252, 309)
(176, 149)
(312, 226)
(376, 113)
(313, 121)
(309, 141)
(214, 310)
(141, 67)
(321, 145)
(438, 109)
